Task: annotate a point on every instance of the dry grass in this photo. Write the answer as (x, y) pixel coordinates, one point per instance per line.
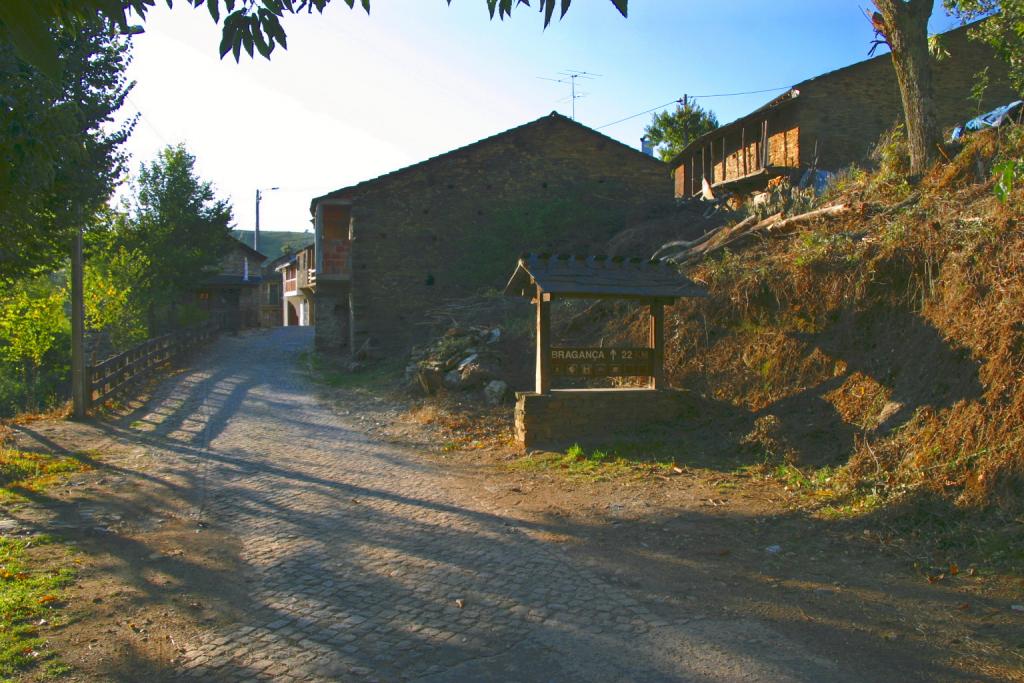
(899, 332)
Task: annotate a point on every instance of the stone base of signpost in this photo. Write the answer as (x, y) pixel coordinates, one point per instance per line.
(566, 416)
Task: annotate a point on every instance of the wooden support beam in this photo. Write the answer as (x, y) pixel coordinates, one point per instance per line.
(657, 342)
(743, 147)
(543, 384)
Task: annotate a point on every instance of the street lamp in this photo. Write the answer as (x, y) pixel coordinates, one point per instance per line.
(256, 234)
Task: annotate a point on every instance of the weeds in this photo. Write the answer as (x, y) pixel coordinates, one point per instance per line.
(26, 471)
(28, 598)
(597, 465)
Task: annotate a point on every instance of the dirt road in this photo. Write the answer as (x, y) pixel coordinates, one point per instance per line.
(242, 528)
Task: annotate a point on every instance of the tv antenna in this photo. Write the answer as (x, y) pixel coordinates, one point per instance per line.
(569, 77)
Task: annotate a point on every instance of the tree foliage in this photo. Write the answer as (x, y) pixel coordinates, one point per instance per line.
(62, 158)
(34, 350)
(112, 303)
(249, 25)
(177, 225)
(672, 131)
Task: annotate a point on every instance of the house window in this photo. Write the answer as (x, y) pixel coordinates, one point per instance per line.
(204, 296)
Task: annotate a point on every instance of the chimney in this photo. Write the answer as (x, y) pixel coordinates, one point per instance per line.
(646, 147)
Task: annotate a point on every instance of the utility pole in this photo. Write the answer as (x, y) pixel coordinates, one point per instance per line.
(256, 233)
(78, 378)
(686, 120)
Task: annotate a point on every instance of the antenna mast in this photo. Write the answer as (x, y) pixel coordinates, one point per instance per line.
(569, 77)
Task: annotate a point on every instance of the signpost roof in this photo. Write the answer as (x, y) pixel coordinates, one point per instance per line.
(600, 276)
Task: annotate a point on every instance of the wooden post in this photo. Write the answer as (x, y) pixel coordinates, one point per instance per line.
(657, 342)
(543, 342)
(743, 146)
(79, 396)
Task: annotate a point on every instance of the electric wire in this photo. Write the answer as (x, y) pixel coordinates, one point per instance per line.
(693, 97)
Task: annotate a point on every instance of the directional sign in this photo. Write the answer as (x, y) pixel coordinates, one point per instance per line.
(601, 362)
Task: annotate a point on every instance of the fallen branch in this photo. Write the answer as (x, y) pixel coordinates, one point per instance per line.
(783, 226)
(689, 244)
(773, 225)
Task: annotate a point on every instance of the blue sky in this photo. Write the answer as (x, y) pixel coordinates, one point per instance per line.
(356, 96)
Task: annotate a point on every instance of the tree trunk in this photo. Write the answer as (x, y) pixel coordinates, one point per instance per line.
(906, 31)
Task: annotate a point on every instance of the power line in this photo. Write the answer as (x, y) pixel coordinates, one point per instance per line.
(680, 101)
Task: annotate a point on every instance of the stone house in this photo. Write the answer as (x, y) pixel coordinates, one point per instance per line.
(272, 293)
(297, 277)
(391, 248)
(230, 294)
(832, 120)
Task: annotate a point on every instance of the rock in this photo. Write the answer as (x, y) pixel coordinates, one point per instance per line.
(411, 371)
(494, 335)
(453, 379)
(467, 360)
(495, 391)
(773, 549)
(476, 373)
(430, 379)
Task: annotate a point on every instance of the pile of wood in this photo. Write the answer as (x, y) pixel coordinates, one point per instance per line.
(689, 251)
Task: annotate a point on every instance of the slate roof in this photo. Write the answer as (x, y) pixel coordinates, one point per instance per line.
(237, 243)
(231, 281)
(632, 278)
(554, 118)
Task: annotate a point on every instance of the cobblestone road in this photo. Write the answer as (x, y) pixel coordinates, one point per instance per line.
(358, 556)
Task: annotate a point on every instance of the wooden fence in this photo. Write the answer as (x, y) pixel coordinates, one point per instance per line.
(118, 372)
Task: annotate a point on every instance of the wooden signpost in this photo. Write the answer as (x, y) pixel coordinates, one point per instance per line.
(602, 362)
(552, 416)
(652, 283)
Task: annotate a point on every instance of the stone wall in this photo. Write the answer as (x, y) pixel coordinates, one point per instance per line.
(839, 116)
(843, 113)
(588, 416)
(454, 225)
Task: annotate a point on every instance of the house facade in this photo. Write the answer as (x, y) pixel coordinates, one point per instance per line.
(389, 249)
(297, 276)
(271, 293)
(230, 295)
(833, 120)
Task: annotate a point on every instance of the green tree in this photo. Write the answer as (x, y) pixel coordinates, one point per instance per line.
(672, 131)
(175, 222)
(34, 333)
(61, 156)
(112, 304)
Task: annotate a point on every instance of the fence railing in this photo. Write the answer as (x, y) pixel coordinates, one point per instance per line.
(118, 372)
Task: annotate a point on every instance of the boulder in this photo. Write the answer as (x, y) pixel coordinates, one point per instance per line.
(453, 380)
(429, 378)
(476, 373)
(495, 391)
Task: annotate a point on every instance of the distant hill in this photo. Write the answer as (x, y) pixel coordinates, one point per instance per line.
(272, 242)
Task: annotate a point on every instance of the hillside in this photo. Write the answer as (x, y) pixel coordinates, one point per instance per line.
(875, 358)
(272, 242)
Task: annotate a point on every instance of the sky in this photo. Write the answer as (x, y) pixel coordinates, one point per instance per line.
(355, 96)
